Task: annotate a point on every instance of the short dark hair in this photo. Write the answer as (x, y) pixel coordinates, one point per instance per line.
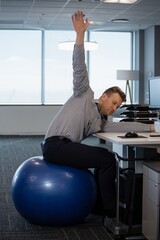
(116, 89)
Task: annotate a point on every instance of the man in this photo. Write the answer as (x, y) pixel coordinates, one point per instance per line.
(81, 117)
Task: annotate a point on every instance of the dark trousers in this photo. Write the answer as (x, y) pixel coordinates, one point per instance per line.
(79, 155)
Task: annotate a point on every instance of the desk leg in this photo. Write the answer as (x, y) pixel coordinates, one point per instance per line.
(114, 225)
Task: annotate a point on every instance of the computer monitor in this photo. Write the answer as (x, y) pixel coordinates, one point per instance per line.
(154, 92)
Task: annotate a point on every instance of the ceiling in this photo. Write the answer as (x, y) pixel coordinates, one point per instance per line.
(56, 14)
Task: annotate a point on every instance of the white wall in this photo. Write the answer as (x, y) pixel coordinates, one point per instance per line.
(26, 120)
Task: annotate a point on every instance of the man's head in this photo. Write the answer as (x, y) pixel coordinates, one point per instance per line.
(110, 100)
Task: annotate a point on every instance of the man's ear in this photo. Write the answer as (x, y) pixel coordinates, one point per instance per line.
(104, 96)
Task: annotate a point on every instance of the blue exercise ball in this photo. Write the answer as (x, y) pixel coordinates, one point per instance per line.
(50, 194)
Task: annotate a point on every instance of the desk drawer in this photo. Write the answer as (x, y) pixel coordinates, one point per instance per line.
(150, 220)
(152, 171)
(151, 190)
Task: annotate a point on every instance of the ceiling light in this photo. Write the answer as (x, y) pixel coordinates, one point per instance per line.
(119, 1)
(91, 22)
(120, 20)
(68, 45)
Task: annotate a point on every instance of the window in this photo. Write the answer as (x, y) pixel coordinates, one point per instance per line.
(114, 53)
(20, 67)
(24, 79)
(58, 67)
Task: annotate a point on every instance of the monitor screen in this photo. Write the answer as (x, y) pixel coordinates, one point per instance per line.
(154, 92)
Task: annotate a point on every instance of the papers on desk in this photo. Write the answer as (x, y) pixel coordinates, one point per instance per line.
(139, 136)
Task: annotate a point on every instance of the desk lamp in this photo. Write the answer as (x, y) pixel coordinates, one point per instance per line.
(128, 75)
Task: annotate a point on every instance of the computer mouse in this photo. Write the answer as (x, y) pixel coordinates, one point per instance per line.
(131, 134)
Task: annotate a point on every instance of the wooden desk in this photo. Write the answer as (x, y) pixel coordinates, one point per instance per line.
(125, 147)
(140, 141)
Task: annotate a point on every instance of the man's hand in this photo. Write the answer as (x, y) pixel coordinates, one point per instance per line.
(78, 22)
(80, 26)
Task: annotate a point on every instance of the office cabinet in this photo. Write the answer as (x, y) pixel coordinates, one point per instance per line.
(151, 200)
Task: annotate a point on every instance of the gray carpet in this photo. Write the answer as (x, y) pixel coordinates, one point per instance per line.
(13, 151)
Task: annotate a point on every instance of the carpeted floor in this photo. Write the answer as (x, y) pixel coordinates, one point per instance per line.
(13, 151)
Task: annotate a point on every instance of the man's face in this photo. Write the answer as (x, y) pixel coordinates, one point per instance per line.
(109, 104)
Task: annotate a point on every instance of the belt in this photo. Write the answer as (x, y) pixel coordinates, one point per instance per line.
(54, 139)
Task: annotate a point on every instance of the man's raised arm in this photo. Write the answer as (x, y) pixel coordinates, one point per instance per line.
(80, 26)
